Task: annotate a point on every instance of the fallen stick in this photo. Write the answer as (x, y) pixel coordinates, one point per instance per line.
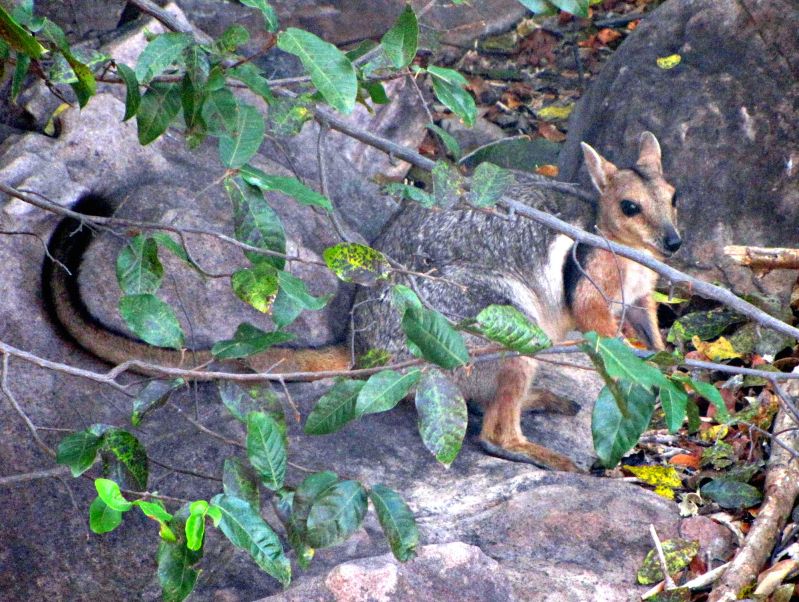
(781, 490)
(764, 258)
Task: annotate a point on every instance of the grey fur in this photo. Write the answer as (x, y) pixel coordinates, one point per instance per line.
(498, 258)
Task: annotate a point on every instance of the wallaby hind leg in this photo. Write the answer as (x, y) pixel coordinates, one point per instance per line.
(502, 431)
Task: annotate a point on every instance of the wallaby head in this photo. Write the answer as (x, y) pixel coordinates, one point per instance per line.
(636, 205)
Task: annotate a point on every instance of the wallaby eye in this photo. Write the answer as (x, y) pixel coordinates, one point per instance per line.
(630, 208)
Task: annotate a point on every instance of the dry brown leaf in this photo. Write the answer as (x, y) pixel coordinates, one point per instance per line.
(551, 171)
(607, 35)
(550, 132)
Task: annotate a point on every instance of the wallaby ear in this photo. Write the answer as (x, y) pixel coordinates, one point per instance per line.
(649, 152)
(599, 168)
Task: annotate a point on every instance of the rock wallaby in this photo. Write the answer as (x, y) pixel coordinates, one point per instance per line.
(478, 258)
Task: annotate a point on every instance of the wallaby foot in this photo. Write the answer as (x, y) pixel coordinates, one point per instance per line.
(547, 401)
(522, 450)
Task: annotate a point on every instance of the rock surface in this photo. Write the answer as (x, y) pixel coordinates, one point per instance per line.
(726, 117)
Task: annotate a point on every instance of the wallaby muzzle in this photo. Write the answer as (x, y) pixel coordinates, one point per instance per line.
(671, 241)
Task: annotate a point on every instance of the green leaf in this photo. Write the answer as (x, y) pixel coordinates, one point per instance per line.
(406, 191)
(175, 574)
(489, 183)
(132, 95)
(239, 481)
(400, 42)
(674, 402)
(615, 434)
(154, 510)
(152, 320)
(335, 408)
(336, 514)
(19, 39)
(173, 246)
(78, 451)
(159, 54)
(620, 361)
(729, 493)
(703, 324)
(195, 527)
(511, 328)
(266, 449)
(109, 492)
(300, 506)
(250, 75)
(385, 390)
(442, 416)
(256, 223)
(578, 8)
(377, 93)
(234, 36)
(403, 298)
(245, 138)
(269, 13)
(138, 269)
(220, 111)
(256, 286)
(436, 340)
(85, 86)
(397, 522)
(452, 146)
(449, 88)
(292, 298)
(248, 340)
(287, 115)
(353, 262)
(158, 107)
(154, 395)
(102, 518)
(254, 398)
(712, 394)
(331, 71)
(447, 184)
(20, 71)
(678, 554)
(539, 7)
(130, 453)
(245, 529)
(289, 186)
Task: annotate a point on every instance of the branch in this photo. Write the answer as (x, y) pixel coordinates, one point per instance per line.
(674, 276)
(764, 258)
(169, 21)
(781, 490)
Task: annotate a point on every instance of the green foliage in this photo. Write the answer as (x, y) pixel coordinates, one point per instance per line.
(489, 183)
(385, 390)
(509, 327)
(729, 493)
(447, 184)
(132, 94)
(256, 286)
(292, 299)
(353, 262)
(266, 449)
(256, 223)
(79, 450)
(151, 320)
(241, 401)
(335, 408)
(130, 456)
(102, 518)
(17, 38)
(336, 513)
(406, 191)
(678, 554)
(452, 146)
(615, 432)
(397, 522)
(449, 87)
(430, 336)
(159, 105)
(289, 186)
(442, 416)
(245, 529)
(703, 324)
(400, 42)
(238, 480)
(138, 269)
(248, 340)
(162, 52)
(268, 12)
(331, 71)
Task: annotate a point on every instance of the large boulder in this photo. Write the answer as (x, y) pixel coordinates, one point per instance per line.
(727, 118)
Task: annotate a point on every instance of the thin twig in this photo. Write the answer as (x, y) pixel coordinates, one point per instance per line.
(662, 558)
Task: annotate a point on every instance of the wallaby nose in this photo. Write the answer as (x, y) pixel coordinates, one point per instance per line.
(672, 242)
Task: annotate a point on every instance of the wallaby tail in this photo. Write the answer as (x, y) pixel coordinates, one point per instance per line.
(62, 296)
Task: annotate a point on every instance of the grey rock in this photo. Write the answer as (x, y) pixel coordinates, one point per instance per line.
(439, 572)
(726, 118)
